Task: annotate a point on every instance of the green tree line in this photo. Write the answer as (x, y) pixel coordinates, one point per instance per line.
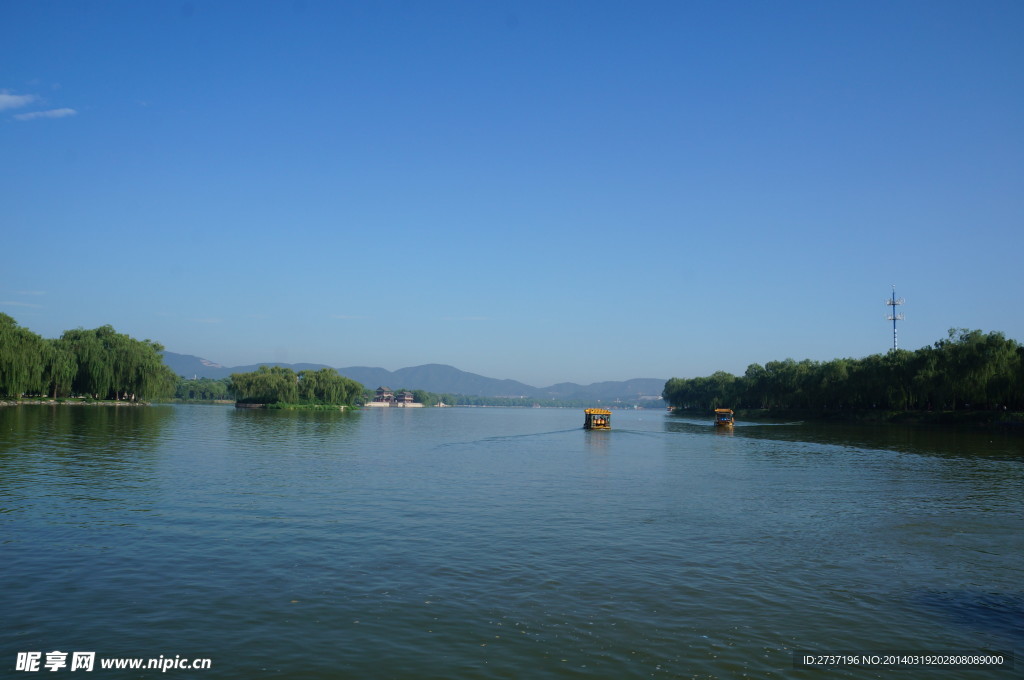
(280, 385)
(968, 370)
(99, 363)
(202, 389)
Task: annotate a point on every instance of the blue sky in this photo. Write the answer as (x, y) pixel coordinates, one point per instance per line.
(544, 191)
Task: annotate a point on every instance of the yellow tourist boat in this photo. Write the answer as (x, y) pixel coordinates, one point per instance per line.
(724, 417)
(597, 419)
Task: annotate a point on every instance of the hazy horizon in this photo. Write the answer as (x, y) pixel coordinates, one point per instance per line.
(399, 368)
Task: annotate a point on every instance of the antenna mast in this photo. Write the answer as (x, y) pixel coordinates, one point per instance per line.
(893, 316)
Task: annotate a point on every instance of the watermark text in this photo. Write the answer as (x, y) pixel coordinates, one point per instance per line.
(31, 662)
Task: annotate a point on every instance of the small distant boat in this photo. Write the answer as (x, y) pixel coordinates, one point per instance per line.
(597, 419)
(724, 417)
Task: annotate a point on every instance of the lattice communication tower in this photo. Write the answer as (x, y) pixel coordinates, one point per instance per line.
(893, 316)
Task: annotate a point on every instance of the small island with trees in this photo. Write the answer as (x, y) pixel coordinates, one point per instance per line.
(282, 388)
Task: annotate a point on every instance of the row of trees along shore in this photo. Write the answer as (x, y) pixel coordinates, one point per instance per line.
(280, 385)
(968, 370)
(220, 389)
(203, 389)
(99, 363)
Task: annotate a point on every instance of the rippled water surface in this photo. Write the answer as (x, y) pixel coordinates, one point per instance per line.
(501, 543)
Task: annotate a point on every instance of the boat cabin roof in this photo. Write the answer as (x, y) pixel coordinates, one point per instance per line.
(597, 411)
(723, 410)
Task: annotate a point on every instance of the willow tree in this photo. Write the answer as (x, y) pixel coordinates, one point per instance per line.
(101, 363)
(327, 386)
(140, 371)
(979, 368)
(94, 375)
(60, 368)
(22, 355)
(113, 365)
(266, 385)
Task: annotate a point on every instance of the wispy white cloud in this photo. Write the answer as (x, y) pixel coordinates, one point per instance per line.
(14, 303)
(15, 101)
(52, 113)
(30, 292)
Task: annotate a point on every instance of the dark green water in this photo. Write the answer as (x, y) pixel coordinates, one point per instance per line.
(501, 543)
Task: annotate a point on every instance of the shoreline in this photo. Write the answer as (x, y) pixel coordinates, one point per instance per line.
(69, 402)
(1009, 420)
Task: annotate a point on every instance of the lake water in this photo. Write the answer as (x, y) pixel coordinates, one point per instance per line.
(502, 543)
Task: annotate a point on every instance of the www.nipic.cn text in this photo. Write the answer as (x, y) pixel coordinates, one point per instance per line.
(87, 661)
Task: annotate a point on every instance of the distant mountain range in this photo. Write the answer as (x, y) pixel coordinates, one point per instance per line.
(437, 378)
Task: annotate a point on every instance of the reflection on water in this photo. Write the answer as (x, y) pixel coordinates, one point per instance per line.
(946, 441)
(83, 445)
(110, 429)
(496, 543)
(300, 428)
